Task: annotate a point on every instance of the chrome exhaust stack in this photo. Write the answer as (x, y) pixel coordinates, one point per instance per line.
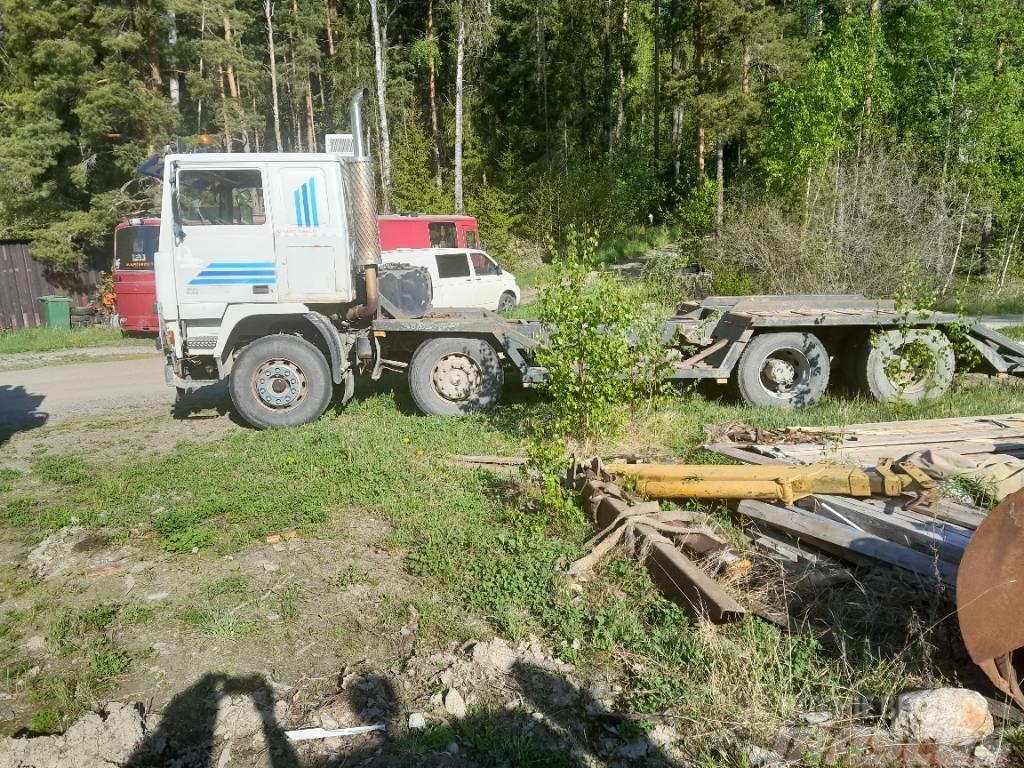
(362, 195)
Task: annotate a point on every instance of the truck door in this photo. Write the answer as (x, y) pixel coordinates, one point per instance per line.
(310, 233)
(226, 253)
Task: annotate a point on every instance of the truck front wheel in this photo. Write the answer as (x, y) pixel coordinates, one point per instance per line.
(783, 370)
(280, 381)
(455, 376)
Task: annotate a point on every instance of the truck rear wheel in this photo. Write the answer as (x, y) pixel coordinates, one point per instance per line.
(455, 376)
(280, 381)
(890, 368)
(783, 370)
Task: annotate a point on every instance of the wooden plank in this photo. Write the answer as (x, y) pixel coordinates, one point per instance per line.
(923, 537)
(804, 525)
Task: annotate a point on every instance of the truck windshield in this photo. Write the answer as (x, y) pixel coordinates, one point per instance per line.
(134, 247)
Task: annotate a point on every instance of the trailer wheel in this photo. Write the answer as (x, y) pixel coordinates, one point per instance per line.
(890, 373)
(783, 370)
(454, 376)
(280, 381)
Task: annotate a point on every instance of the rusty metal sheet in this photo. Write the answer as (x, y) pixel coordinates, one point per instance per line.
(990, 596)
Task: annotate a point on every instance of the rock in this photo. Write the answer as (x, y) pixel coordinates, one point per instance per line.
(417, 721)
(759, 757)
(454, 704)
(633, 750)
(452, 748)
(816, 718)
(663, 735)
(225, 757)
(437, 700)
(495, 654)
(7, 714)
(985, 755)
(953, 716)
(94, 740)
(327, 722)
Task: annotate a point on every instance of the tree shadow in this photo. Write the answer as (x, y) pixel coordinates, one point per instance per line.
(553, 724)
(19, 411)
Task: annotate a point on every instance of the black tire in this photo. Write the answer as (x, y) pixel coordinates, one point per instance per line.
(783, 370)
(507, 301)
(295, 378)
(916, 387)
(454, 376)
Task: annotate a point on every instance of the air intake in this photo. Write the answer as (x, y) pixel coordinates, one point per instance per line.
(340, 144)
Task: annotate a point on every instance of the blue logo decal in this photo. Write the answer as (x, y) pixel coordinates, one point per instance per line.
(305, 204)
(237, 273)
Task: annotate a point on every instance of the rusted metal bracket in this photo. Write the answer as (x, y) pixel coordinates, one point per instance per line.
(621, 517)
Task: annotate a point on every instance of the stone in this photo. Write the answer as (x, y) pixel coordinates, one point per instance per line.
(103, 739)
(452, 748)
(327, 722)
(954, 716)
(454, 704)
(985, 755)
(816, 718)
(495, 654)
(417, 721)
(633, 750)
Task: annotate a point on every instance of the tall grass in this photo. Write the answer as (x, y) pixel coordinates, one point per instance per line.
(50, 339)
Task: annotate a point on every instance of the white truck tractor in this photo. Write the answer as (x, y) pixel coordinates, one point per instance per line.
(269, 274)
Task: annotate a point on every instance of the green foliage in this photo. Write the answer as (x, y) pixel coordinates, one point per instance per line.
(50, 339)
(66, 470)
(599, 348)
(413, 186)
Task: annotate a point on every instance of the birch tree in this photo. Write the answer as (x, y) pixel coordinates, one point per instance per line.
(268, 10)
(379, 41)
(460, 55)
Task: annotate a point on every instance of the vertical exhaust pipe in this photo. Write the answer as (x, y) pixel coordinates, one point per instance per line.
(362, 195)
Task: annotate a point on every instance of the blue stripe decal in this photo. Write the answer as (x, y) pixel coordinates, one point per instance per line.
(305, 202)
(239, 264)
(236, 272)
(298, 210)
(234, 280)
(312, 195)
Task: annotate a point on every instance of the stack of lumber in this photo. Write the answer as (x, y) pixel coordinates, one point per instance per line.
(871, 531)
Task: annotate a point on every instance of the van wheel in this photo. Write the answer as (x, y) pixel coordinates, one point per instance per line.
(783, 370)
(507, 301)
(891, 369)
(455, 376)
(280, 381)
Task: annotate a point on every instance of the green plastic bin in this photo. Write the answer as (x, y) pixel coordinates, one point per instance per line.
(56, 311)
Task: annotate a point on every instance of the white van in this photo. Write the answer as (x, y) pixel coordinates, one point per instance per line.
(462, 277)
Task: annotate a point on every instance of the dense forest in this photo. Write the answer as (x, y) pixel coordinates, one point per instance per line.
(805, 143)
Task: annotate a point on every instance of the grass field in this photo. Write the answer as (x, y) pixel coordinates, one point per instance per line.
(50, 339)
(480, 544)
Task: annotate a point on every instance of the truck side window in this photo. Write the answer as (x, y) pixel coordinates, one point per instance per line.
(443, 234)
(483, 266)
(221, 197)
(471, 240)
(452, 265)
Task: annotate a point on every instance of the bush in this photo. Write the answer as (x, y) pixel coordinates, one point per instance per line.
(854, 228)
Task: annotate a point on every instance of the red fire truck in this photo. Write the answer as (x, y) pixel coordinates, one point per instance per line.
(135, 242)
